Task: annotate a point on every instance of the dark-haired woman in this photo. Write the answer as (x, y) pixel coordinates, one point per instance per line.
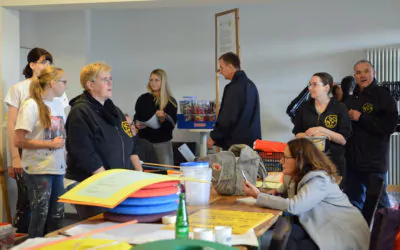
(40, 133)
(324, 218)
(37, 60)
(325, 116)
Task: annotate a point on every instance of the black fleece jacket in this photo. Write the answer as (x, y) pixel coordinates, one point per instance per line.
(367, 147)
(335, 118)
(97, 135)
(145, 108)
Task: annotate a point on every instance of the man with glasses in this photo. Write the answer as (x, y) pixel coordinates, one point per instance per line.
(373, 113)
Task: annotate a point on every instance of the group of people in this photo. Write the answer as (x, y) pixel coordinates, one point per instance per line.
(96, 136)
(46, 145)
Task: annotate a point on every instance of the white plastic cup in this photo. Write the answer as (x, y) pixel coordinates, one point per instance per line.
(197, 193)
(223, 235)
(203, 234)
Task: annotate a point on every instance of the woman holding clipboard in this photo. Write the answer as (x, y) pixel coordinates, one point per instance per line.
(156, 115)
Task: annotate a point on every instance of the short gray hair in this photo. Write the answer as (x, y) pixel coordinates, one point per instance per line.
(363, 61)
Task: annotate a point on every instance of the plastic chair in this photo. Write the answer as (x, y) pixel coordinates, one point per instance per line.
(281, 234)
(373, 194)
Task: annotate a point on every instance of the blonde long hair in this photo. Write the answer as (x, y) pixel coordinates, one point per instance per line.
(38, 86)
(165, 92)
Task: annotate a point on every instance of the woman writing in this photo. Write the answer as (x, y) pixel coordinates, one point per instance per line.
(39, 131)
(324, 216)
(325, 116)
(157, 105)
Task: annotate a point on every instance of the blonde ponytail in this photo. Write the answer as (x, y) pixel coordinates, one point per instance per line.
(37, 88)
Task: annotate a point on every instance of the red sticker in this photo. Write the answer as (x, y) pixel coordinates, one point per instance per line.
(216, 167)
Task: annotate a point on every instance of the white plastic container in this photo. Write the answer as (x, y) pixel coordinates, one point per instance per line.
(197, 193)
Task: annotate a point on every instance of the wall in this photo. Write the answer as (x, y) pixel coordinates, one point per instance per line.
(63, 33)
(283, 44)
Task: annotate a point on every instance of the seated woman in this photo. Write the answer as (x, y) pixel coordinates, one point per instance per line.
(325, 116)
(324, 216)
(159, 105)
(98, 136)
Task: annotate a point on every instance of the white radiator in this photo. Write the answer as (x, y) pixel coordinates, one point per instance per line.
(386, 62)
(393, 177)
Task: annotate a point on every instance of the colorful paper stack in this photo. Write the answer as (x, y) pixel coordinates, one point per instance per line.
(148, 204)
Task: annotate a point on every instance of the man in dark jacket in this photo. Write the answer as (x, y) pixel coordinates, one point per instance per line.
(374, 116)
(239, 116)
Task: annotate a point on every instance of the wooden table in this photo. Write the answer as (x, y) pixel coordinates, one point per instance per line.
(216, 202)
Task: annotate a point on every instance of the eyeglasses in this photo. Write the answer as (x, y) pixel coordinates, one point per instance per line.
(63, 81)
(284, 157)
(106, 80)
(314, 85)
(44, 62)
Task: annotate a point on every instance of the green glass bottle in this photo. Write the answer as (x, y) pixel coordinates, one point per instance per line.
(182, 222)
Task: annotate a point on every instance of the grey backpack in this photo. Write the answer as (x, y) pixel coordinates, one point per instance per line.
(227, 178)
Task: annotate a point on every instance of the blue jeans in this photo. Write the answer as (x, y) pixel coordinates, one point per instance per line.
(356, 187)
(47, 214)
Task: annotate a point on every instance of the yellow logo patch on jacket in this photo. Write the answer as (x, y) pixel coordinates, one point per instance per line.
(127, 129)
(331, 121)
(368, 108)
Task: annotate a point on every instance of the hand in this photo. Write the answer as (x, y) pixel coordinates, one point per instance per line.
(250, 189)
(99, 170)
(133, 129)
(140, 125)
(354, 115)
(11, 172)
(57, 142)
(315, 130)
(160, 115)
(210, 142)
(16, 167)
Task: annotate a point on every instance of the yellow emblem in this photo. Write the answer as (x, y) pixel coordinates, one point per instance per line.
(331, 121)
(368, 108)
(125, 126)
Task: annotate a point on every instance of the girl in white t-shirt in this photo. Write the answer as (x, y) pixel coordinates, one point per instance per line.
(40, 133)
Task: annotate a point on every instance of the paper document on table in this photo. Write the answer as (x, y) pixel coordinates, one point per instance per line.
(141, 233)
(247, 200)
(240, 222)
(111, 187)
(153, 122)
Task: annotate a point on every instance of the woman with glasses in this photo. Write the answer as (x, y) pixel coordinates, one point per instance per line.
(323, 217)
(160, 107)
(39, 131)
(327, 117)
(98, 136)
(37, 60)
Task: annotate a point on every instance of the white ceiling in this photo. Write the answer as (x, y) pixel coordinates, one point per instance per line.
(46, 5)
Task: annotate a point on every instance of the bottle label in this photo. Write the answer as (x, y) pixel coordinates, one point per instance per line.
(182, 233)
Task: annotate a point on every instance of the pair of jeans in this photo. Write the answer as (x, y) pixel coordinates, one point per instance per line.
(47, 214)
(23, 210)
(356, 187)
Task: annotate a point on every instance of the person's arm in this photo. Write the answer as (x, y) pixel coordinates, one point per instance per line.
(172, 111)
(232, 104)
(22, 142)
(80, 139)
(136, 163)
(382, 121)
(307, 198)
(331, 135)
(16, 159)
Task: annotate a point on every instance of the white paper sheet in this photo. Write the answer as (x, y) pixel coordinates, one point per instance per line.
(153, 122)
(142, 232)
(247, 200)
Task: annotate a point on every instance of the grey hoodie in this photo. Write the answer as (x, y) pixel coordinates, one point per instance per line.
(325, 212)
